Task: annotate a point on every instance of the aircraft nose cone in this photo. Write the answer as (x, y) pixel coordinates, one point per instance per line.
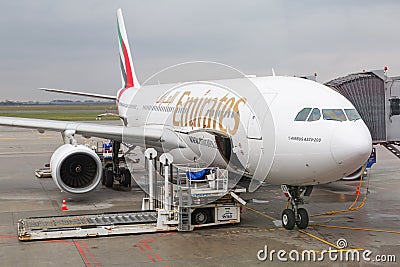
(351, 145)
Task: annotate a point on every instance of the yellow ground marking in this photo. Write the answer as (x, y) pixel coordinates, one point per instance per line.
(260, 213)
(318, 238)
(281, 228)
(358, 228)
(257, 230)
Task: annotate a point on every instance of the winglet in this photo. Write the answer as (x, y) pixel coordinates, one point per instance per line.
(273, 72)
(128, 74)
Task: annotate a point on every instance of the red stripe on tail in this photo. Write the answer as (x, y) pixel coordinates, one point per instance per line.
(129, 77)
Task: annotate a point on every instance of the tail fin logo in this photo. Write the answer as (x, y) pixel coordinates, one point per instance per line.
(128, 74)
(125, 62)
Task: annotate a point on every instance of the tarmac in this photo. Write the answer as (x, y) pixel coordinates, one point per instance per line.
(373, 224)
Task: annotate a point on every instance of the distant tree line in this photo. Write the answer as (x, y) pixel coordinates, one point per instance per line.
(53, 102)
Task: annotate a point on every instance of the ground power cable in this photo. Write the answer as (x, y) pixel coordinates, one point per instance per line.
(352, 206)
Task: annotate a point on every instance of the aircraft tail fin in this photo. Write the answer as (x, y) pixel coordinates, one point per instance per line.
(128, 74)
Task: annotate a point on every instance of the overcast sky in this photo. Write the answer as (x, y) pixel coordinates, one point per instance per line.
(73, 45)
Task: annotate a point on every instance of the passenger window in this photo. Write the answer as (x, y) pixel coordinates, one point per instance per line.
(303, 114)
(334, 114)
(315, 115)
(352, 114)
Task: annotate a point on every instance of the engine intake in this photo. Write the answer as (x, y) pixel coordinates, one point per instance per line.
(76, 168)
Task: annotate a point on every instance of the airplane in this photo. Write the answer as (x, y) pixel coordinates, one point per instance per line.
(281, 130)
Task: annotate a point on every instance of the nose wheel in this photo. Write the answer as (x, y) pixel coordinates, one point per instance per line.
(295, 215)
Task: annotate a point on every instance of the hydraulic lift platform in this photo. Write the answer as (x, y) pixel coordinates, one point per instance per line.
(186, 206)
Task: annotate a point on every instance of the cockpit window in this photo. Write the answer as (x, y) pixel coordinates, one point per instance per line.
(352, 114)
(303, 114)
(334, 114)
(315, 115)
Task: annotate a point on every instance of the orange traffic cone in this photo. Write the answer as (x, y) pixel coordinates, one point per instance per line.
(64, 205)
(358, 190)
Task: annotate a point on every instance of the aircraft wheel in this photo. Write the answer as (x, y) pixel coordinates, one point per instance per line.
(302, 223)
(122, 178)
(105, 168)
(288, 219)
(103, 178)
(127, 178)
(109, 178)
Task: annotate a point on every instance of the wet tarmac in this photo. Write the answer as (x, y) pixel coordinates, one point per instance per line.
(373, 224)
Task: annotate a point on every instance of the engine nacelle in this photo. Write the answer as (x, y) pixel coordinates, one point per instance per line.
(76, 168)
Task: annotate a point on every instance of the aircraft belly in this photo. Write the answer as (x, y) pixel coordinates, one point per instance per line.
(309, 169)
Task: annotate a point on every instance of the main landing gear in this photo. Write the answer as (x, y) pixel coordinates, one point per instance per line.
(112, 170)
(295, 215)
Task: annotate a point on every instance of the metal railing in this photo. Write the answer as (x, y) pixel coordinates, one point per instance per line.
(214, 179)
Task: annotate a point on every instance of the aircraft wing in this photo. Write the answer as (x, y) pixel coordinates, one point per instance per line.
(85, 129)
(108, 97)
(135, 135)
(156, 135)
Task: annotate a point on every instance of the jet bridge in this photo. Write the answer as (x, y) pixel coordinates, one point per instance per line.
(376, 96)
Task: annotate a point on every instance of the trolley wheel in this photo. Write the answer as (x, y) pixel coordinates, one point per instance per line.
(302, 221)
(109, 178)
(288, 219)
(201, 216)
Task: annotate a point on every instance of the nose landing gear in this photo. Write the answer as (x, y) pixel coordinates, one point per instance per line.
(295, 215)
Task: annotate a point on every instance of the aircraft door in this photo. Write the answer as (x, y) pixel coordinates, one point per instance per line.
(253, 128)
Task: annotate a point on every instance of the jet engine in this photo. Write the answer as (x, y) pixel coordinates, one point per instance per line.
(76, 168)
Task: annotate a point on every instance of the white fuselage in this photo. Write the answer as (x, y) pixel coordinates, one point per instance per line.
(258, 114)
